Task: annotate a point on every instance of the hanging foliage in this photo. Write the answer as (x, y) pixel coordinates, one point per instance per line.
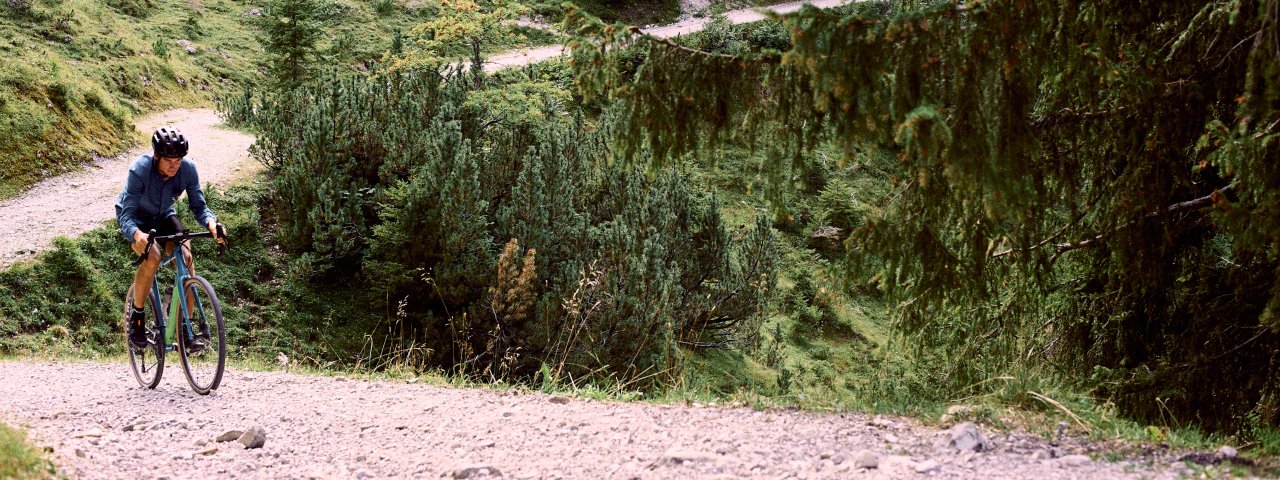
(1084, 188)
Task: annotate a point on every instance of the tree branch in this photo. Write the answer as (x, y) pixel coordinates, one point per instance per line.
(1095, 240)
(1059, 248)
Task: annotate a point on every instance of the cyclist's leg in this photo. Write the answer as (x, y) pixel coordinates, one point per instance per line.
(142, 281)
(146, 272)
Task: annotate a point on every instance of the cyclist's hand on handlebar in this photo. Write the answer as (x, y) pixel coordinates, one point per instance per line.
(139, 244)
(216, 232)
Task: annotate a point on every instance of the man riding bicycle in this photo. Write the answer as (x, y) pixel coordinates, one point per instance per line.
(153, 185)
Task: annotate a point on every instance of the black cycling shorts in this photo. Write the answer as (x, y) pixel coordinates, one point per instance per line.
(166, 226)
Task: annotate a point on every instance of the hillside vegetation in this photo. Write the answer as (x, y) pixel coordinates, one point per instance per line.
(78, 72)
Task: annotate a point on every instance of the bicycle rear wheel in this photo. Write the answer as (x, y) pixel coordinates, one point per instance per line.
(147, 363)
(201, 338)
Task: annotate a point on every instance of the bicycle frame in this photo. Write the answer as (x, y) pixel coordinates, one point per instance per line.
(175, 308)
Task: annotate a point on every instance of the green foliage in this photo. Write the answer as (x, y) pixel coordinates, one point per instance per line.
(19, 460)
(132, 8)
(384, 7)
(191, 26)
(626, 270)
(464, 27)
(1078, 185)
(160, 48)
(290, 31)
(64, 294)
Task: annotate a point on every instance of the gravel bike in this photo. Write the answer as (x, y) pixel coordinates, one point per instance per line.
(194, 327)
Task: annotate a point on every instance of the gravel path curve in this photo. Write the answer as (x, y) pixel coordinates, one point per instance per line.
(526, 56)
(72, 204)
(100, 424)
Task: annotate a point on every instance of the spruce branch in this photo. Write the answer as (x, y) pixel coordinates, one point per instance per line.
(1095, 240)
(1193, 204)
(1070, 115)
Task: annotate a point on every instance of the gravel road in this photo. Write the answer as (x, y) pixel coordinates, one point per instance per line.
(72, 204)
(526, 56)
(101, 425)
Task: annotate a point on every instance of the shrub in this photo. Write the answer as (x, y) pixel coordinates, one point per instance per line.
(628, 268)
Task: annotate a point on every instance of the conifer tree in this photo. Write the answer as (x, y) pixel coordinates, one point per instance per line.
(1084, 188)
(290, 30)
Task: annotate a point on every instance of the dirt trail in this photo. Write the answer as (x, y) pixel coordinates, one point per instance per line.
(72, 204)
(101, 425)
(521, 57)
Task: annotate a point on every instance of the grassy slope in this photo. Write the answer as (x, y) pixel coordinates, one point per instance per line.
(79, 72)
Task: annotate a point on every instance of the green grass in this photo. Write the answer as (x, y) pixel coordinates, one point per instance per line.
(19, 460)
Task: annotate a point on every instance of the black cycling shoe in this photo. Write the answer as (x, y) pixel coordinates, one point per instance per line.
(198, 343)
(138, 332)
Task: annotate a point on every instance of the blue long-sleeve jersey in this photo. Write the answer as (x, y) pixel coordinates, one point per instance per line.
(148, 198)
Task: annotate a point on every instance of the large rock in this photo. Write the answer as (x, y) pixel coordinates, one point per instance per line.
(254, 437)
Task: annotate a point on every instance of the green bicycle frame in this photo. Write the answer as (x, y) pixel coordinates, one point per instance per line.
(179, 307)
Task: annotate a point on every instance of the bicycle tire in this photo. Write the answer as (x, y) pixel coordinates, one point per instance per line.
(203, 367)
(147, 363)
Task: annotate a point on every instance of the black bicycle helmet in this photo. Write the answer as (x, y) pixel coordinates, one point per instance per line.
(168, 142)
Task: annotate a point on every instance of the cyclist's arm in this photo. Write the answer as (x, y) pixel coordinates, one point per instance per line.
(201, 210)
(127, 207)
(195, 200)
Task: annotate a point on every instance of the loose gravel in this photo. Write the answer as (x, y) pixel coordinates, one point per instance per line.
(101, 425)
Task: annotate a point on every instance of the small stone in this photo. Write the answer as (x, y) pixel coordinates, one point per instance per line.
(826, 454)
(363, 474)
(928, 466)
(865, 459)
(678, 456)
(201, 442)
(474, 472)
(229, 436)
(80, 453)
(1074, 460)
(965, 437)
(486, 444)
(210, 450)
(838, 458)
(255, 437)
(1041, 455)
(558, 400)
(1227, 452)
(91, 433)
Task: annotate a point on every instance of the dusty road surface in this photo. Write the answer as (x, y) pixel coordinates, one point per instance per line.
(72, 204)
(101, 425)
(526, 56)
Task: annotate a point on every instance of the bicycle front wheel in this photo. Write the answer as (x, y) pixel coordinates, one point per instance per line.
(147, 363)
(202, 342)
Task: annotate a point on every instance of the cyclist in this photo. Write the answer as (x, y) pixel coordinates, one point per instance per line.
(153, 185)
